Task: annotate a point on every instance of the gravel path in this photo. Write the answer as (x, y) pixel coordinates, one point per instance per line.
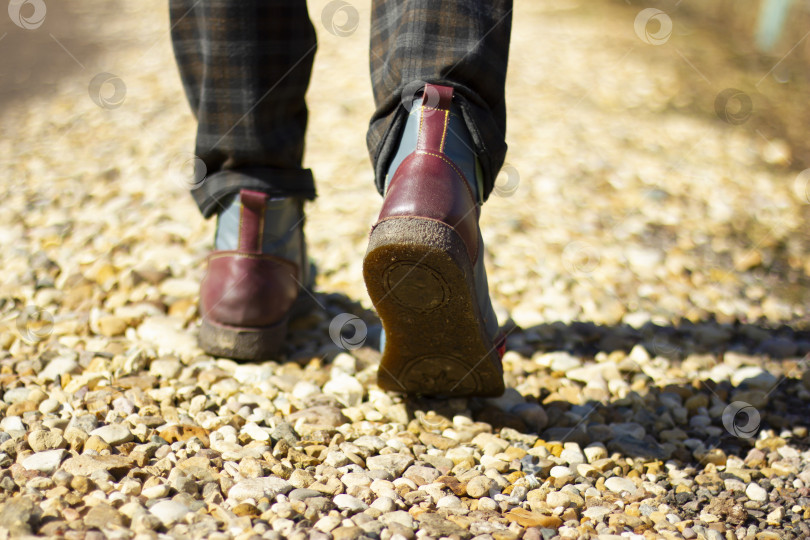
(647, 256)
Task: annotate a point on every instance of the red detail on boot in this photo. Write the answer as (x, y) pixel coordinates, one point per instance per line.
(501, 345)
(251, 220)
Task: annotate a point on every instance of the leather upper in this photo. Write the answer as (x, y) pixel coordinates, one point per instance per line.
(241, 289)
(245, 287)
(427, 184)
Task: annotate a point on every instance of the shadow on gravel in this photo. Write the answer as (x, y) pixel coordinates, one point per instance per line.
(688, 422)
(703, 414)
(641, 424)
(336, 324)
(673, 342)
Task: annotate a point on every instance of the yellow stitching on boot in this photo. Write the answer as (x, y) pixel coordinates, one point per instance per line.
(452, 165)
(421, 120)
(444, 130)
(241, 212)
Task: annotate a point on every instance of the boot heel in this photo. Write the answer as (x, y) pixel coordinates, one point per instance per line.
(262, 343)
(420, 279)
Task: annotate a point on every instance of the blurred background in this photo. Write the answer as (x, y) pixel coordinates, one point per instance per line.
(658, 165)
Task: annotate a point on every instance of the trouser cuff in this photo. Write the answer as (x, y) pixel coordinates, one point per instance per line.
(212, 193)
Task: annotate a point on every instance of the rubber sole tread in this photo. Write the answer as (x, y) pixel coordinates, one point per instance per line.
(420, 279)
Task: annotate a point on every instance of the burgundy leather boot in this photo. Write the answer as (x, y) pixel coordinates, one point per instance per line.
(250, 288)
(424, 264)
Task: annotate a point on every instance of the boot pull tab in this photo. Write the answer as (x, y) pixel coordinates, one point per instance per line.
(251, 220)
(434, 117)
(437, 97)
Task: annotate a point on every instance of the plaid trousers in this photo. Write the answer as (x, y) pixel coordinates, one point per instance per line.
(246, 64)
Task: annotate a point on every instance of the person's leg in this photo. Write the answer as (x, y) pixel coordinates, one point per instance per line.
(245, 67)
(463, 44)
(437, 143)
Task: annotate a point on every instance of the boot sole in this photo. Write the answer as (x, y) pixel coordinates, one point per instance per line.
(420, 279)
(242, 343)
